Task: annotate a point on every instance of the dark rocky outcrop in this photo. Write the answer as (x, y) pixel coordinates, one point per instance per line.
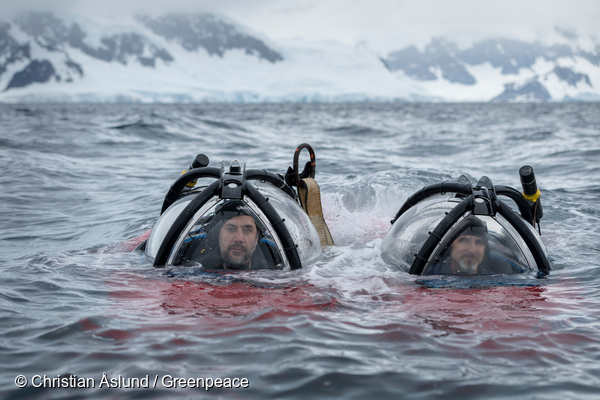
(438, 55)
(11, 51)
(533, 91)
(209, 32)
(510, 55)
(570, 76)
(37, 71)
(53, 34)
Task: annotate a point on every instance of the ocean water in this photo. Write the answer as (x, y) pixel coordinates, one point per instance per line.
(78, 182)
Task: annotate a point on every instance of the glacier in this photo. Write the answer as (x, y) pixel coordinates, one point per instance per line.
(54, 57)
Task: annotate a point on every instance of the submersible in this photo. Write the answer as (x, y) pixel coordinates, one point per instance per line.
(458, 228)
(240, 219)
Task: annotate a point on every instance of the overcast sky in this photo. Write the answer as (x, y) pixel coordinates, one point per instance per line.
(382, 25)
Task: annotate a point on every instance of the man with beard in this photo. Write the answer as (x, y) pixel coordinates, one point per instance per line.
(232, 240)
(467, 253)
(237, 240)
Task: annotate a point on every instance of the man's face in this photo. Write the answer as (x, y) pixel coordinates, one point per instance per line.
(237, 239)
(467, 253)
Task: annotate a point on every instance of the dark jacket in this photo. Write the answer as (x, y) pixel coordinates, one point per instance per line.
(443, 268)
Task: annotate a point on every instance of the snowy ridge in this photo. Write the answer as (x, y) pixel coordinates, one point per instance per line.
(47, 57)
(504, 70)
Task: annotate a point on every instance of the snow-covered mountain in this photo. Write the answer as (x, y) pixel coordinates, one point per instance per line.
(204, 57)
(505, 70)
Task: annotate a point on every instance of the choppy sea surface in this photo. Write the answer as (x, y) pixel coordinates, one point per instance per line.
(78, 181)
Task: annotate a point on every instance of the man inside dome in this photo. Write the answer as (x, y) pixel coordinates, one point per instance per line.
(233, 238)
(468, 252)
(234, 234)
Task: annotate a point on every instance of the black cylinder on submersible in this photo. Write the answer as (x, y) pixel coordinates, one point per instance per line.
(200, 161)
(531, 191)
